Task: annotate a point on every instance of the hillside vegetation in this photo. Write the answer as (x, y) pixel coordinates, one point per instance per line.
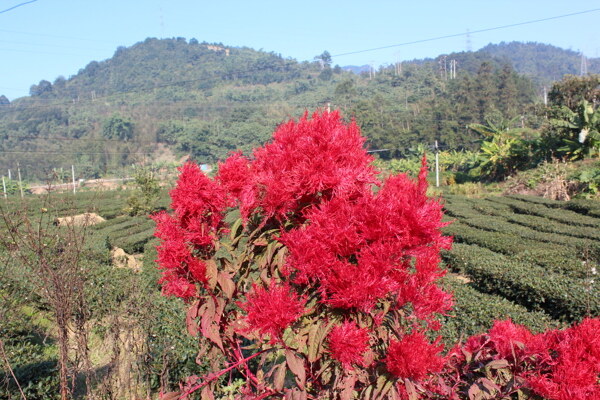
(209, 99)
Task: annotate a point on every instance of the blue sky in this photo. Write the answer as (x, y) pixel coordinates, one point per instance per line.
(48, 38)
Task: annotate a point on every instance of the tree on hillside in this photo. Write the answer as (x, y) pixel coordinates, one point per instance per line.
(44, 87)
(572, 89)
(504, 149)
(118, 127)
(485, 86)
(325, 59)
(507, 91)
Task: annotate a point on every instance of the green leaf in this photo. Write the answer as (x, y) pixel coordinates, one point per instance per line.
(234, 235)
(316, 335)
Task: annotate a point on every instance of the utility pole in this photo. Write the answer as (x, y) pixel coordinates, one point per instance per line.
(583, 70)
(73, 174)
(20, 182)
(452, 69)
(437, 165)
(545, 96)
(398, 65)
(9, 175)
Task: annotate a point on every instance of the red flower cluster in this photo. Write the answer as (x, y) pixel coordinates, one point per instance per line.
(271, 310)
(360, 250)
(567, 362)
(188, 235)
(354, 251)
(307, 161)
(413, 357)
(348, 344)
(557, 364)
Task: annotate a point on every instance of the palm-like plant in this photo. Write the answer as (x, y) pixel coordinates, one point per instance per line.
(504, 149)
(580, 131)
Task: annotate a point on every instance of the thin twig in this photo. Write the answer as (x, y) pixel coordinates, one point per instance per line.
(5, 358)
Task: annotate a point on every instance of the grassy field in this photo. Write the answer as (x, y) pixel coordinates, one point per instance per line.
(525, 258)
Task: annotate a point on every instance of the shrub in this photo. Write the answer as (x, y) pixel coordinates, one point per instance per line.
(305, 282)
(257, 278)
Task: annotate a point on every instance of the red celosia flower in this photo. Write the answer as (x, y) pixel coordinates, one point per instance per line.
(568, 362)
(198, 197)
(557, 364)
(173, 285)
(360, 250)
(271, 310)
(348, 343)
(199, 204)
(180, 268)
(236, 176)
(307, 161)
(509, 339)
(414, 357)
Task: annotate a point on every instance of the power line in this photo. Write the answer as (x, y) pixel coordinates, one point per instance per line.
(17, 6)
(51, 45)
(56, 36)
(463, 34)
(72, 153)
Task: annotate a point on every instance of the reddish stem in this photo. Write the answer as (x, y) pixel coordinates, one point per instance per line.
(220, 373)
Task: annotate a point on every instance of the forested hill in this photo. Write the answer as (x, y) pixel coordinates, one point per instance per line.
(542, 62)
(158, 63)
(179, 97)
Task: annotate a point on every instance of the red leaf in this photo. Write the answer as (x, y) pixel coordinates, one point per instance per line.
(226, 284)
(207, 394)
(211, 273)
(348, 387)
(410, 390)
(296, 365)
(497, 364)
(190, 319)
(279, 378)
(209, 323)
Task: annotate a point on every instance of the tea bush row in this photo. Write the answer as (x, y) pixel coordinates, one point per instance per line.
(557, 258)
(561, 215)
(470, 207)
(124, 226)
(530, 285)
(474, 312)
(135, 243)
(546, 225)
(582, 206)
(483, 214)
(559, 252)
